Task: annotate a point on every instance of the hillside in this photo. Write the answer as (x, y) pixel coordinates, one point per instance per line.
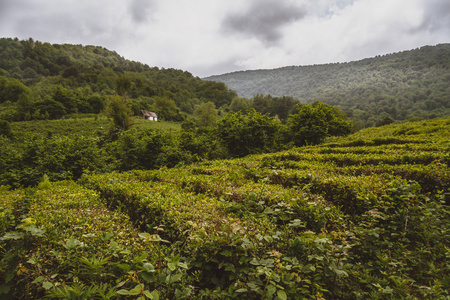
(361, 217)
(401, 85)
(43, 81)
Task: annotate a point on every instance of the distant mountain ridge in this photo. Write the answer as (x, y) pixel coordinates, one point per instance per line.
(407, 84)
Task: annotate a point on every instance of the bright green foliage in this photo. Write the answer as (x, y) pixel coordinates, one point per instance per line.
(167, 110)
(11, 90)
(361, 217)
(248, 134)
(59, 157)
(313, 123)
(80, 77)
(206, 114)
(239, 104)
(120, 115)
(280, 107)
(148, 149)
(5, 129)
(123, 84)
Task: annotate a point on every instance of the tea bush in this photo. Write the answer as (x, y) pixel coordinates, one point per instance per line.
(354, 218)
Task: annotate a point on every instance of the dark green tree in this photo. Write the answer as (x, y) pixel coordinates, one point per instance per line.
(167, 110)
(5, 129)
(239, 104)
(54, 109)
(123, 84)
(206, 114)
(120, 115)
(313, 123)
(67, 98)
(248, 134)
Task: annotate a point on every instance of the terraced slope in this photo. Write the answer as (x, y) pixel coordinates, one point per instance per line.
(362, 217)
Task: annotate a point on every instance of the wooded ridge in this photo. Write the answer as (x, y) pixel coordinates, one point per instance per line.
(401, 85)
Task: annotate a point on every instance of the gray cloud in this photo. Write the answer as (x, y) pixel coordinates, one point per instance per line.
(141, 10)
(263, 20)
(211, 37)
(437, 16)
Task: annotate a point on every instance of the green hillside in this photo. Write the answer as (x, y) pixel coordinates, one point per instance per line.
(43, 81)
(361, 217)
(401, 85)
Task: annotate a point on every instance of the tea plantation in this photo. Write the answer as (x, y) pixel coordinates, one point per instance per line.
(361, 217)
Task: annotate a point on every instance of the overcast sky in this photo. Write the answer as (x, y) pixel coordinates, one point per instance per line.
(210, 37)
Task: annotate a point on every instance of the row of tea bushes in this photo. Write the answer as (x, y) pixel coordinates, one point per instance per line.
(303, 223)
(70, 246)
(217, 242)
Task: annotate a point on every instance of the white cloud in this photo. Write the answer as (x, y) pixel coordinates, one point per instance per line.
(209, 37)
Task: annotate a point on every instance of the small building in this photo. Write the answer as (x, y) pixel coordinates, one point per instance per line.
(149, 115)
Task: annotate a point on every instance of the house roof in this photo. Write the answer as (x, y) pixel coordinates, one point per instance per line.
(148, 114)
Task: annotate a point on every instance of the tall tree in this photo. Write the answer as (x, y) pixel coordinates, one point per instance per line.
(120, 115)
(206, 114)
(167, 110)
(123, 84)
(313, 123)
(248, 134)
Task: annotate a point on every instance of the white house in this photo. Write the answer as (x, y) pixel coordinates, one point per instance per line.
(149, 115)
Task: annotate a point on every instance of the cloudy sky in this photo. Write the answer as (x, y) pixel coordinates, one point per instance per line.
(209, 37)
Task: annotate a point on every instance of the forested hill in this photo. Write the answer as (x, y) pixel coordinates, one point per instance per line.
(401, 85)
(39, 80)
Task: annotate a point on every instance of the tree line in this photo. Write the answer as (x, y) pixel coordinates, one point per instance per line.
(404, 85)
(25, 158)
(43, 81)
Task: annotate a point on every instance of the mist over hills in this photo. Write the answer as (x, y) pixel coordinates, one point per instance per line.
(402, 85)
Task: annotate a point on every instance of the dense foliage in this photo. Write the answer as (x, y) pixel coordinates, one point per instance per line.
(401, 85)
(361, 217)
(43, 81)
(90, 210)
(65, 152)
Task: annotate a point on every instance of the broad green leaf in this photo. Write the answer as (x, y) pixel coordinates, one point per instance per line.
(108, 236)
(173, 278)
(13, 235)
(183, 265)
(149, 277)
(340, 273)
(151, 237)
(148, 267)
(31, 261)
(39, 279)
(113, 246)
(47, 285)
(136, 291)
(268, 238)
(89, 235)
(123, 292)
(73, 243)
(281, 295)
(271, 290)
(27, 222)
(154, 295)
(34, 230)
(172, 266)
